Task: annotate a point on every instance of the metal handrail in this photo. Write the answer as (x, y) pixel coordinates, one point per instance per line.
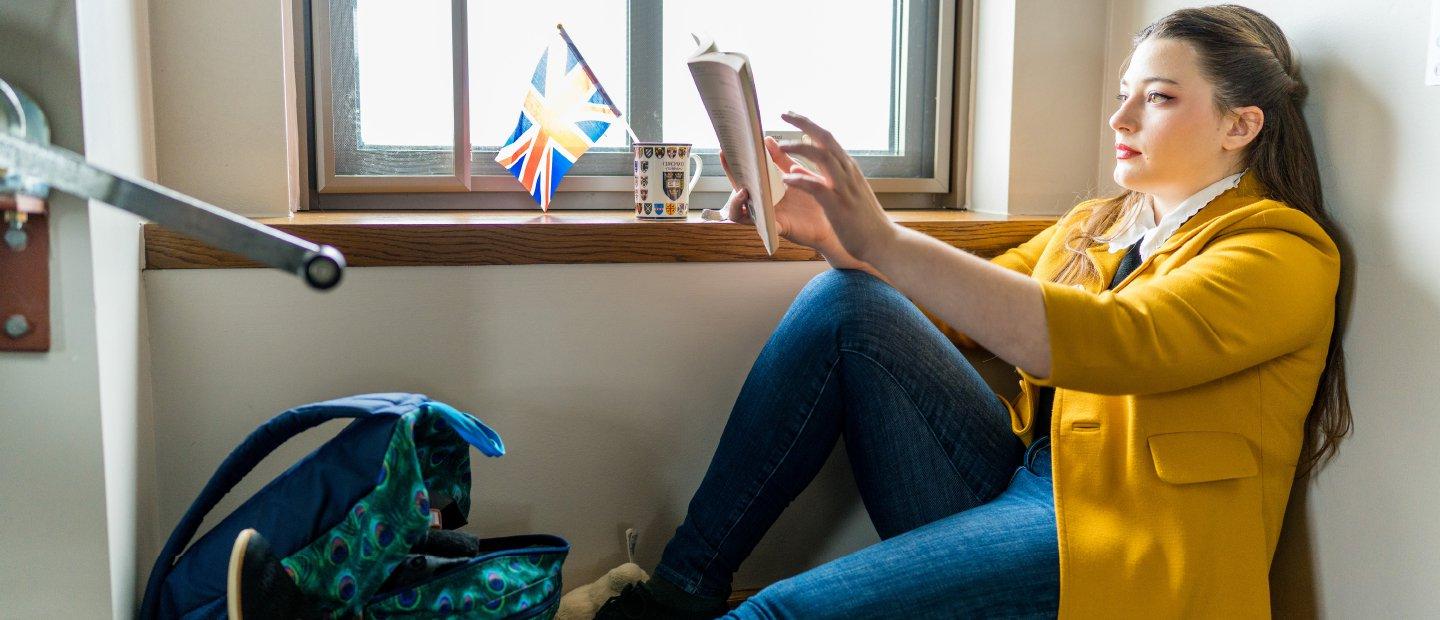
(33, 166)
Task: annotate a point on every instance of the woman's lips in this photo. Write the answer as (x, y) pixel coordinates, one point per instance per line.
(1125, 152)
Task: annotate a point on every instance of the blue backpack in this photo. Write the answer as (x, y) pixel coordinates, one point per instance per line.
(345, 516)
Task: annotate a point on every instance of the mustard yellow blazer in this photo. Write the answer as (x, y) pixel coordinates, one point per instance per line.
(1180, 400)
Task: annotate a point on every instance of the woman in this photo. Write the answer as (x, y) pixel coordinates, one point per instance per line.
(1175, 346)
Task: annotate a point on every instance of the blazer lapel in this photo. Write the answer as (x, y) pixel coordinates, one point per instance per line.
(1245, 193)
(1108, 262)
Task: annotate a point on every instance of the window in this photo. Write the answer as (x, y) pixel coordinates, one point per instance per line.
(416, 97)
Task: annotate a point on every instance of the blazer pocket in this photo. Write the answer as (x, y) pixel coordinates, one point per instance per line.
(1202, 456)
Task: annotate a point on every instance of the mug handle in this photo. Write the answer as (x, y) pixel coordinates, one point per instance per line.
(690, 184)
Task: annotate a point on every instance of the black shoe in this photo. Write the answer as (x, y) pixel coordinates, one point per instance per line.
(257, 585)
(637, 601)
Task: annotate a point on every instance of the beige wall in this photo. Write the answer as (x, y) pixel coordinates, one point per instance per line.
(1364, 544)
(55, 554)
(220, 102)
(1036, 101)
(115, 78)
(611, 383)
(74, 523)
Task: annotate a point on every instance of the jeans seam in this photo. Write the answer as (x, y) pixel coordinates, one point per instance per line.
(695, 584)
(928, 426)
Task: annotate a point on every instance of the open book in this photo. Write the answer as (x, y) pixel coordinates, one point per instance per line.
(727, 88)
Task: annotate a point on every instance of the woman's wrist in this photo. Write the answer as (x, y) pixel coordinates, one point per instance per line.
(878, 251)
(850, 262)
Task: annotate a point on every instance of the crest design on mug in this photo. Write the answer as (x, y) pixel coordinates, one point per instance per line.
(670, 152)
(637, 208)
(647, 209)
(669, 208)
(645, 166)
(644, 194)
(674, 184)
(684, 152)
(649, 151)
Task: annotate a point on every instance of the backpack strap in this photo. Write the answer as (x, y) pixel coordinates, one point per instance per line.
(276, 432)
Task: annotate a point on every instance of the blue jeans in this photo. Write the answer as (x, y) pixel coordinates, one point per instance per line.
(963, 509)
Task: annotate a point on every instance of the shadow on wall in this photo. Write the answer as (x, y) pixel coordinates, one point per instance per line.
(1294, 584)
(1293, 587)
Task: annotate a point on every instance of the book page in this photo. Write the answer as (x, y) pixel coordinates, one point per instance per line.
(730, 101)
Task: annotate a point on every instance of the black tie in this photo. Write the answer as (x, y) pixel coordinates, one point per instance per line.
(1127, 264)
(1045, 398)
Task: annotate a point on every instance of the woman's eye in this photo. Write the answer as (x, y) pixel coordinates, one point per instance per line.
(1150, 97)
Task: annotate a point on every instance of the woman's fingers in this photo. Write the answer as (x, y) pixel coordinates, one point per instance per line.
(725, 165)
(836, 159)
(736, 208)
(811, 152)
(811, 183)
(818, 134)
(782, 159)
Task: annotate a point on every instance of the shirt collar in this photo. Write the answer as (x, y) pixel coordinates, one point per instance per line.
(1154, 234)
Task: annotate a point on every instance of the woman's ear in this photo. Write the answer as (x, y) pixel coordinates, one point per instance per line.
(1242, 125)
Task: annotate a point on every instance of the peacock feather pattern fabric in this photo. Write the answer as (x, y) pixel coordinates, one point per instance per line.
(354, 557)
(502, 585)
(350, 561)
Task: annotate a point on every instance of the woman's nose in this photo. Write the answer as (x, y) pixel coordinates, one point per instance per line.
(1118, 121)
(1122, 120)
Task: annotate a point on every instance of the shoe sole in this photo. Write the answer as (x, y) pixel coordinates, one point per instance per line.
(232, 573)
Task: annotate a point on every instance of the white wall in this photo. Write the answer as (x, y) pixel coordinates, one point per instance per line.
(610, 385)
(1365, 543)
(1036, 101)
(54, 554)
(608, 382)
(75, 448)
(115, 79)
(595, 374)
(220, 102)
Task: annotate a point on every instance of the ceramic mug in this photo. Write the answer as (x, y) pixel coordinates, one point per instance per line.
(662, 187)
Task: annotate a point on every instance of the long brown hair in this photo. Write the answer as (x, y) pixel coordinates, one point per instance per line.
(1247, 59)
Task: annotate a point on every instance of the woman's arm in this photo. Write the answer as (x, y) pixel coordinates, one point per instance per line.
(999, 308)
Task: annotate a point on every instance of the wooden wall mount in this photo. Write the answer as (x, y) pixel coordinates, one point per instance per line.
(25, 284)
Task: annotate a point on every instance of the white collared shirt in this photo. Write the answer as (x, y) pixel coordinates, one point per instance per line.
(1155, 234)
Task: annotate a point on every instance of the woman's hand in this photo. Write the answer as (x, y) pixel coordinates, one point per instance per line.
(798, 216)
(851, 211)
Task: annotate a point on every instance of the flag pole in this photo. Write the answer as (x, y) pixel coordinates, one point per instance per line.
(596, 81)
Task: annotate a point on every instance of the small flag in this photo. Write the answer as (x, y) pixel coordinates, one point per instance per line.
(564, 114)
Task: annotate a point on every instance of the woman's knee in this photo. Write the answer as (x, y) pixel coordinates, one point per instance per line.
(849, 298)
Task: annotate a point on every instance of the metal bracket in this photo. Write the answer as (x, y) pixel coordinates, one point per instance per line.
(24, 277)
(30, 167)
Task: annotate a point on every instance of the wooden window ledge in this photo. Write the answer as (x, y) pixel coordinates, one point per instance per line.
(411, 238)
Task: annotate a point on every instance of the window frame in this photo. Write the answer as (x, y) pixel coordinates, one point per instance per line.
(431, 179)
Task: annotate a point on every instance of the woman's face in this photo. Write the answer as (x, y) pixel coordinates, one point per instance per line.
(1167, 113)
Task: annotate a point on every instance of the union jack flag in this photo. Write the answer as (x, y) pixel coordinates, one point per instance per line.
(565, 112)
